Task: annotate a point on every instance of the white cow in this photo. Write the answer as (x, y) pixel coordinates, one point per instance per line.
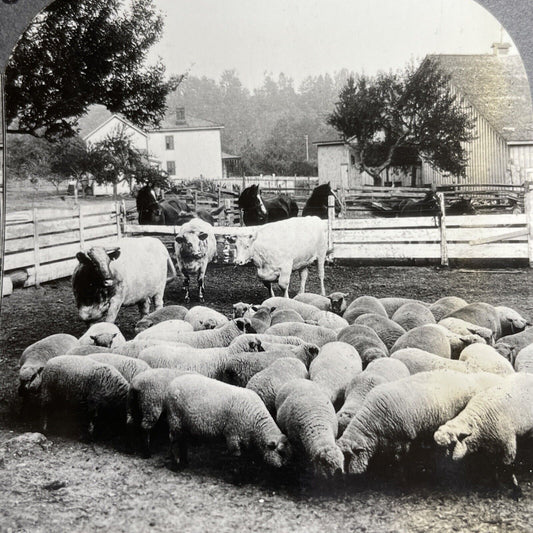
(278, 248)
(195, 247)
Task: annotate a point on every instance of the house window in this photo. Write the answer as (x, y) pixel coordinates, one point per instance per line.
(352, 159)
(171, 168)
(169, 142)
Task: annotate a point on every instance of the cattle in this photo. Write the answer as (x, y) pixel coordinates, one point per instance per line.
(278, 248)
(133, 272)
(195, 247)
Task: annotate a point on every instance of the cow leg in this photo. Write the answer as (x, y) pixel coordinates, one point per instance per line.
(304, 273)
(144, 306)
(320, 265)
(158, 301)
(285, 279)
(185, 289)
(201, 286)
(270, 289)
(114, 307)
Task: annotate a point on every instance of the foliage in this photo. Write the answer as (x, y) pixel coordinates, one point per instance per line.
(82, 52)
(414, 110)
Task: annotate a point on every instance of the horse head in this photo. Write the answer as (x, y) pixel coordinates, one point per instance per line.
(317, 204)
(250, 201)
(148, 207)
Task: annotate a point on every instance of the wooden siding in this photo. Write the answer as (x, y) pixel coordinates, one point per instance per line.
(522, 167)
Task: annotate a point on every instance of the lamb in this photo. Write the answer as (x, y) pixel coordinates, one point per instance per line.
(170, 312)
(104, 334)
(308, 312)
(365, 340)
(334, 367)
(392, 304)
(210, 338)
(35, 356)
(308, 418)
(240, 309)
(510, 345)
(387, 330)
(82, 383)
(492, 420)
(445, 306)
(510, 320)
(486, 359)
(524, 360)
(429, 337)
(363, 305)
(377, 372)
(169, 331)
(268, 382)
(481, 314)
(412, 315)
(395, 414)
(206, 408)
(129, 367)
(309, 333)
(146, 398)
(332, 321)
(285, 315)
(201, 317)
(334, 302)
(463, 328)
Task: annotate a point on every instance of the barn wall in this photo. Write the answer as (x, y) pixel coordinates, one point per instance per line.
(520, 164)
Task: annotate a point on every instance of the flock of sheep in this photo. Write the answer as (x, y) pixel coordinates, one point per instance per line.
(310, 378)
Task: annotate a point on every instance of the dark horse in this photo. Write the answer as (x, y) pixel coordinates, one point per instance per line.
(429, 206)
(169, 212)
(317, 203)
(257, 211)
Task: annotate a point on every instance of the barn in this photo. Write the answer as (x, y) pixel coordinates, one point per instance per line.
(494, 90)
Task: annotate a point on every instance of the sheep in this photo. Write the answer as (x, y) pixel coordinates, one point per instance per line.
(510, 320)
(334, 302)
(462, 327)
(87, 349)
(84, 384)
(334, 367)
(365, 340)
(201, 317)
(146, 398)
(169, 331)
(429, 337)
(396, 413)
(524, 360)
(285, 315)
(134, 347)
(35, 356)
(269, 381)
(377, 372)
(446, 305)
(309, 333)
(308, 312)
(481, 314)
(459, 342)
(202, 407)
(170, 312)
(307, 417)
(510, 345)
(412, 315)
(392, 304)
(387, 330)
(486, 359)
(492, 420)
(332, 321)
(210, 338)
(417, 360)
(104, 334)
(129, 367)
(263, 337)
(363, 305)
(240, 309)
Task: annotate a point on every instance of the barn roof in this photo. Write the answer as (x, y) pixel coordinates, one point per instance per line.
(497, 86)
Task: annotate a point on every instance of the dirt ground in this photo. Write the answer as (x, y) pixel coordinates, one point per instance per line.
(64, 485)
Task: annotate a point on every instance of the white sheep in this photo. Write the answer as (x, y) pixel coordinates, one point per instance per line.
(491, 421)
(285, 315)
(486, 359)
(35, 356)
(510, 345)
(82, 383)
(363, 305)
(417, 360)
(332, 321)
(481, 314)
(261, 319)
(201, 317)
(462, 327)
(396, 413)
(446, 305)
(202, 407)
(268, 382)
(308, 312)
(524, 360)
(308, 418)
(307, 332)
(392, 304)
(365, 340)
(263, 337)
(168, 330)
(169, 312)
(241, 309)
(412, 315)
(129, 367)
(334, 367)
(104, 334)
(429, 337)
(334, 302)
(459, 342)
(134, 347)
(87, 349)
(377, 372)
(510, 320)
(386, 329)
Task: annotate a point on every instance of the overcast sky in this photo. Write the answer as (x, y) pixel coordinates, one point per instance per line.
(311, 37)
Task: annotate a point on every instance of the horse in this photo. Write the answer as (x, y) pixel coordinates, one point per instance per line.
(317, 203)
(169, 212)
(257, 211)
(429, 206)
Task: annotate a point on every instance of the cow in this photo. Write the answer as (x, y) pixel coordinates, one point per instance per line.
(278, 248)
(195, 247)
(133, 272)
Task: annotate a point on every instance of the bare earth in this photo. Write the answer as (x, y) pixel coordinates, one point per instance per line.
(65, 485)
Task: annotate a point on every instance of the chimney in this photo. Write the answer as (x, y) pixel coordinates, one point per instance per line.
(180, 115)
(500, 49)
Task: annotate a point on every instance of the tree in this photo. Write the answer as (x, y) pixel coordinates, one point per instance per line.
(413, 111)
(82, 52)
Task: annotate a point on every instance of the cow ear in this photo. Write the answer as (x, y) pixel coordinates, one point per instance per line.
(231, 239)
(180, 239)
(203, 236)
(83, 258)
(113, 254)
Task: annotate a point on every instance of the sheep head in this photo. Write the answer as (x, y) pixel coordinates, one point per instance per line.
(277, 452)
(329, 462)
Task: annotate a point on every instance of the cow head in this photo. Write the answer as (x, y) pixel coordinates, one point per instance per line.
(192, 244)
(244, 248)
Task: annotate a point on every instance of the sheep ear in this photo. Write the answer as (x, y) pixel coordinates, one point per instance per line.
(231, 239)
(94, 338)
(254, 307)
(272, 445)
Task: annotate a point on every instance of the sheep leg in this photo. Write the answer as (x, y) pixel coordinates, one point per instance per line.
(234, 445)
(304, 273)
(178, 452)
(145, 443)
(285, 279)
(506, 478)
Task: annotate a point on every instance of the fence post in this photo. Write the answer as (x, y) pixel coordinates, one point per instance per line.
(331, 217)
(117, 218)
(195, 201)
(36, 258)
(80, 217)
(528, 208)
(444, 261)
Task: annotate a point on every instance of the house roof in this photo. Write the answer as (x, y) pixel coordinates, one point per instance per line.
(170, 123)
(497, 86)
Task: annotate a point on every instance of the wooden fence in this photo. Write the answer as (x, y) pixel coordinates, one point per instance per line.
(41, 244)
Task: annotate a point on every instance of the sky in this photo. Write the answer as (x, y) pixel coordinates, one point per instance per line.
(311, 37)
